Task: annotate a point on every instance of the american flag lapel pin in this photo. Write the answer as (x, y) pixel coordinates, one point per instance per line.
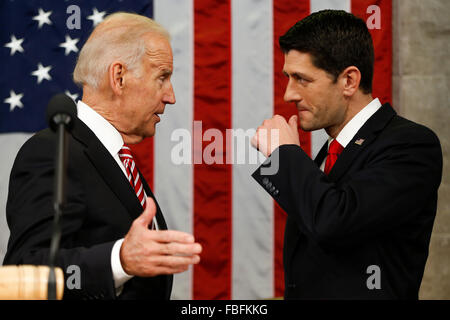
(359, 142)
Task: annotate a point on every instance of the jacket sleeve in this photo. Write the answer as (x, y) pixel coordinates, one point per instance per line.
(394, 187)
(30, 220)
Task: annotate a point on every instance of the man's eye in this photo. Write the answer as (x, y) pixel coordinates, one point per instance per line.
(301, 79)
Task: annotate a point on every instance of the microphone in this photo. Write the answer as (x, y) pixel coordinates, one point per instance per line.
(61, 114)
(29, 282)
(61, 110)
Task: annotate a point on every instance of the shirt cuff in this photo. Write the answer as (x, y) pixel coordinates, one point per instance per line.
(119, 275)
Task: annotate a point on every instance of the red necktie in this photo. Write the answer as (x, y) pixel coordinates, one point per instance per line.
(334, 151)
(132, 173)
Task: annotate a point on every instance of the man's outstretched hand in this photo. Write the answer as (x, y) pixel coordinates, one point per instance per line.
(148, 253)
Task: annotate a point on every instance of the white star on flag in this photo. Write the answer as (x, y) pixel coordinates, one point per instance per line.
(42, 73)
(14, 100)
(15, 45)
(43, 17)
(73, 96)
(69, 45)
(96, 16)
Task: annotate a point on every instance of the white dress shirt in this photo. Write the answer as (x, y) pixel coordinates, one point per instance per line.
(113, 142)
(351, 128)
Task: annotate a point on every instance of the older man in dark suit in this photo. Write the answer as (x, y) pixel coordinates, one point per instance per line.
(121, 250)
(361, 214)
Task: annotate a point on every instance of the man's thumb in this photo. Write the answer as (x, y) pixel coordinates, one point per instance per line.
(293, 122)
(149, 213)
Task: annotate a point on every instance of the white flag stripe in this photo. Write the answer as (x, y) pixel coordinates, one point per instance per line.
(318, 138)
(317, 5)
(11, 143)
(252, 90)
(174, 183)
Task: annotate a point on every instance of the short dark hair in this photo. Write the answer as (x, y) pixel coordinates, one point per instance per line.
(336, 40)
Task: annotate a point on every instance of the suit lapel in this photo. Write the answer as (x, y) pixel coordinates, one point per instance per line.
(116, 180)
(364, 137)
(107, 168)
(321, 155)
(159, 217)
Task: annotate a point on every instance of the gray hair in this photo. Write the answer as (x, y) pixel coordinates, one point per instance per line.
(118, 37)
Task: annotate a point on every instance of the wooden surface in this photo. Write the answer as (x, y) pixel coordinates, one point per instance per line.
(27, 282)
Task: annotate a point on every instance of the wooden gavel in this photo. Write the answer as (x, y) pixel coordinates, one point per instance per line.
(28, 282)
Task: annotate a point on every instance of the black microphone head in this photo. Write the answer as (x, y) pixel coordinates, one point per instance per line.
(61, 110)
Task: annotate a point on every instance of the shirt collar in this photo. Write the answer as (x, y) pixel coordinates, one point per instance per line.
(351, 128)
(105, 132)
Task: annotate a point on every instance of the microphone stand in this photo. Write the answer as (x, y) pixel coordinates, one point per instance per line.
(59, 200)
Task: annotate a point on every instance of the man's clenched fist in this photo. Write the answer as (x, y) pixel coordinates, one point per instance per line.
(275, 132)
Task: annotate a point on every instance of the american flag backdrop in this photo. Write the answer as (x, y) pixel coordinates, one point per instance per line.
(227, 74)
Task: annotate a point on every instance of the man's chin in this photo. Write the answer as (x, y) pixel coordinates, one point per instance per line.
(307, 127)
(149, 133)
(140, 136)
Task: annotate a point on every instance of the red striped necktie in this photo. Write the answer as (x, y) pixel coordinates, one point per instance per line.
(132, 173)
(334, 151)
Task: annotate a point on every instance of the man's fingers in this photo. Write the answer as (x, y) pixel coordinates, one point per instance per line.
(157, 265)
(293, 122)
(167, 270)
(174, 261)
(174, 248)
(170, 236)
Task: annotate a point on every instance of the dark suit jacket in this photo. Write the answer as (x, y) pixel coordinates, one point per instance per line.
(101, 205)
(376, 208)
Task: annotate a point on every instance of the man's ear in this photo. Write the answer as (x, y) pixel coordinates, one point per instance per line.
(116, 75)
(350, 79)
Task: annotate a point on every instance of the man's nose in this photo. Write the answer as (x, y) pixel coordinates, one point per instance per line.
(169, 96)
(291, 94)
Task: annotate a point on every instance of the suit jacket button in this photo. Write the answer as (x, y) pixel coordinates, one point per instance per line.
(276, 192)
(269, 185)
(265, 181)
(272, 189)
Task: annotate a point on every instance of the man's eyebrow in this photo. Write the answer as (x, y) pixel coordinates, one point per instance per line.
(297, 75)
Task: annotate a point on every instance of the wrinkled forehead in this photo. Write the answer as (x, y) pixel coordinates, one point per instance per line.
(158, 51)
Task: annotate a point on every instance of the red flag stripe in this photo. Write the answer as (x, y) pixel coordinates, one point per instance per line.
(382, 41)
(212, 183)
(144, 159)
